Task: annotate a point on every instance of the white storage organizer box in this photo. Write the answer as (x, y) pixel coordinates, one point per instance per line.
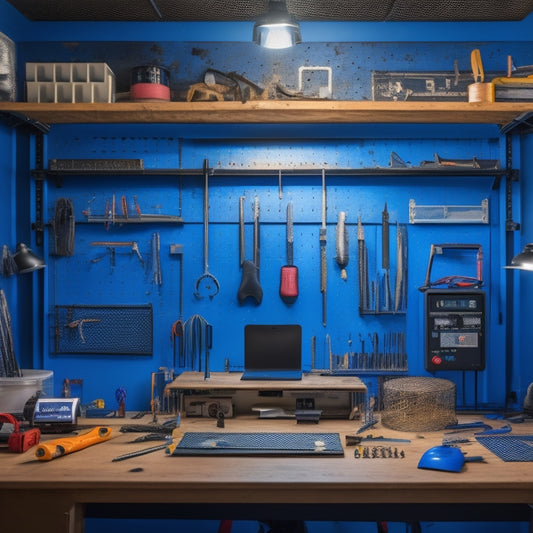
(69, 82)
(15, 392)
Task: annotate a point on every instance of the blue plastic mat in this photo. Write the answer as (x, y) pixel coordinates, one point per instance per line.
(309, 444)
(509, 447)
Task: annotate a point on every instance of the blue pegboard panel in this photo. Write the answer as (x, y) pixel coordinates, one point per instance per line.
(100, 329)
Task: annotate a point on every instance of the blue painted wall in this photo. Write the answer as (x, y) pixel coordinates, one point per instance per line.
(359, 49)
(272, 147)
(79, 280)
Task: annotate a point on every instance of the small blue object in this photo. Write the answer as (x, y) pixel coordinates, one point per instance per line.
(445, 458)
(494, 416)
(120, 395)
(498, 431)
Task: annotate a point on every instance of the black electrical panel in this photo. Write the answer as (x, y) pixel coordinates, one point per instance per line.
(454, 329)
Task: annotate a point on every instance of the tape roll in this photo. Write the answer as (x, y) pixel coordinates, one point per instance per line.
(481, 92)
(150, 82)
(149, 91)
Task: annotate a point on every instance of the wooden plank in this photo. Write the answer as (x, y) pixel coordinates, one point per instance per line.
(273, 112)
(232, 380)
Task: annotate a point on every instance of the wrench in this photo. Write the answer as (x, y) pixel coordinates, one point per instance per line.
(206, 279)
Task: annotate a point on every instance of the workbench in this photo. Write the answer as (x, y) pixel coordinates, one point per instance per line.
(55, 496)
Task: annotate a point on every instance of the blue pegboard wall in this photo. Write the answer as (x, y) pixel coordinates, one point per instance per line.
(82, 279)
(352, 63)
(89, 277)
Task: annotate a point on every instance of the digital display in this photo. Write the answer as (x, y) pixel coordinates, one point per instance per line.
(459, 304)
(440, 322)
(458, 340)
(55, 410)
(472, 320)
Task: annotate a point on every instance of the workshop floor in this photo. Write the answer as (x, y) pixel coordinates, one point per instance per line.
(211, 526)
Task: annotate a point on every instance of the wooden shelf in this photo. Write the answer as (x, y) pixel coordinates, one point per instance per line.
(274, 112)
(232, 381)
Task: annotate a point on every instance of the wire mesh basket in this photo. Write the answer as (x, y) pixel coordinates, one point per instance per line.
(418, 404)
(98, 329)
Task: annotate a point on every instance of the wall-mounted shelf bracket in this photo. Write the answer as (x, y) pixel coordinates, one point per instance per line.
(14, 120)
(449, 214)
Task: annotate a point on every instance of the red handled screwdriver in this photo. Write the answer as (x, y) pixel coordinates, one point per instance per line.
(288, 287)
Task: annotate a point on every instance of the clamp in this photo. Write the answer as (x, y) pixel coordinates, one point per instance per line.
(20, 441)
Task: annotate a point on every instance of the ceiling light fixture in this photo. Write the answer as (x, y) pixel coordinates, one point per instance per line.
(523, 260)
(277, 29)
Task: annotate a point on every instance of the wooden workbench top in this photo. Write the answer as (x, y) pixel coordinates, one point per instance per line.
(271, 478)
(232, 380)
(62, 487)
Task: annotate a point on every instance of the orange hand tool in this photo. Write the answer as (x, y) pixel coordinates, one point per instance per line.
(47, 451)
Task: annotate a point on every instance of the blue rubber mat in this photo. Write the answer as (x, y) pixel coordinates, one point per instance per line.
(308, 444)
(509, 447)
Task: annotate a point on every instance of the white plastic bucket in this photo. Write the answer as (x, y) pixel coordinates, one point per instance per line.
(15, 392)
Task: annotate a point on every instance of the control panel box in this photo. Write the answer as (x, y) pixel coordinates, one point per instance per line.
(454, 329)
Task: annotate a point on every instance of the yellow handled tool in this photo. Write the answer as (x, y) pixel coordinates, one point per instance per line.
(477, 66)
(526, 80)
(47, 451)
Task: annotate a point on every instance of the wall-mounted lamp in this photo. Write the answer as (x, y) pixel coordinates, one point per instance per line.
(277, 29)
(26, 260)
(523, 260)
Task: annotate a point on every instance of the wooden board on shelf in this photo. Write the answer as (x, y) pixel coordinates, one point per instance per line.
(274, 112)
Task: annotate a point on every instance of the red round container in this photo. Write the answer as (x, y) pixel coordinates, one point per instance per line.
(150, 82)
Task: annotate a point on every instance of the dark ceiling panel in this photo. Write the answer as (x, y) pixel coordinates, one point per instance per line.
(464, 10)
(90, 10)
(367, 10)
(141, 10)
(241, 10)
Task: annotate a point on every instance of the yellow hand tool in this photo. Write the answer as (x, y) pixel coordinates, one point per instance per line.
(477, 66)
(525, 80)
(47, 451)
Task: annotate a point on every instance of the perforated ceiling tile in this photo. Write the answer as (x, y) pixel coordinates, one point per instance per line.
(141, 10)
(240, 10)
(452, 10)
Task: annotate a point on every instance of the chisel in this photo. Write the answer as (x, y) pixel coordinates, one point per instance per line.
(46, 451)
(322, 240)
(399, 269)
(385, 260)
(363, 272)
(288, 288)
